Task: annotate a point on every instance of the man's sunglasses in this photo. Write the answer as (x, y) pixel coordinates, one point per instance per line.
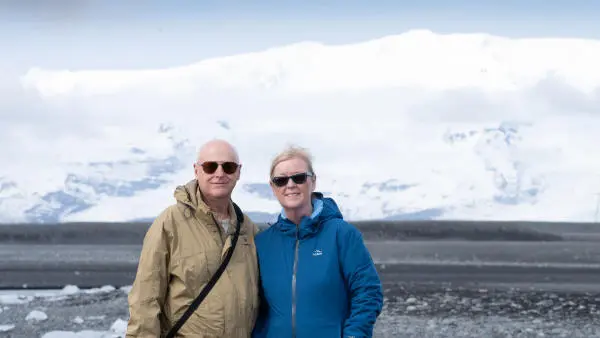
(300, 178)
(210, 167)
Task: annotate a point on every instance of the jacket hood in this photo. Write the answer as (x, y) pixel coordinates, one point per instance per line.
(189, 194)
(324, 209)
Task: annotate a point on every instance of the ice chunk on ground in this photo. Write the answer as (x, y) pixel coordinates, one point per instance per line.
(70, 290)
(6, 327)
(117, 329)
(119, 326)
(14, 299)
(37, 316)
(74, 289)
(80, 334)
(106, 288)
(96, 317)
(126, 288)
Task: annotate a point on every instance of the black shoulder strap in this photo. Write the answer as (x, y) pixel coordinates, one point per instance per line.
(211, 283)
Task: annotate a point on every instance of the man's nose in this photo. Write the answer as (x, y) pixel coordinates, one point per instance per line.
(219, 171)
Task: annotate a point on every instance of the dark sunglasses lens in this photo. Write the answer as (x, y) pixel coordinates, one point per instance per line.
(299, 178)
(230, 167)
(210, 167)
(280, 181)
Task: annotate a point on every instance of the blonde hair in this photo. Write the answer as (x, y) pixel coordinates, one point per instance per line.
(290, 152)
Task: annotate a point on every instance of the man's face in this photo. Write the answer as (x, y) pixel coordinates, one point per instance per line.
(217, 171)
(293, 195)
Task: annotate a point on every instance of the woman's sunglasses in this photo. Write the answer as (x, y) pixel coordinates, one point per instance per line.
(210, 167)
(300, 178)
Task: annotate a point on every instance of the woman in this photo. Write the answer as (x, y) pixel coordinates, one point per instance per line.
(317, 276)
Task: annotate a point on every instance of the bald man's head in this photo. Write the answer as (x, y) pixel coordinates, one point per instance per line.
(217, 150)
(217, 169)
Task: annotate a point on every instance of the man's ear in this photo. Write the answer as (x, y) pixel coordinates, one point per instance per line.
(239, 172)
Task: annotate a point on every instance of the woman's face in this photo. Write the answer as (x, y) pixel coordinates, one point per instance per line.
(292, 195)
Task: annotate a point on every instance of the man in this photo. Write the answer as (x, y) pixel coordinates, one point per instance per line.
(184, 247)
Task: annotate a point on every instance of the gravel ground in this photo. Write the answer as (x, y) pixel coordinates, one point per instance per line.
(434, 313)
(410, 311)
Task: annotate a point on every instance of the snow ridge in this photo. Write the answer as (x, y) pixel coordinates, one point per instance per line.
(417, 125)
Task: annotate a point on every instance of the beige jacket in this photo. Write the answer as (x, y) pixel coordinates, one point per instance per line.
(181, 251)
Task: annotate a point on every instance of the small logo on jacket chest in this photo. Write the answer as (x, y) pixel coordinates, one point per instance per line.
(317, 252)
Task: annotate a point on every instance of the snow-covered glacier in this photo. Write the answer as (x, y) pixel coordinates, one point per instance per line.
(414, 126)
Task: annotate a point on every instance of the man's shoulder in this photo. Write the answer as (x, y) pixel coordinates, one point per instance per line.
(249, 225)
(248, 220)
(169, 216)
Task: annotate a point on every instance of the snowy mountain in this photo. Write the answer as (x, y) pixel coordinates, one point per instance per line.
(418, 125)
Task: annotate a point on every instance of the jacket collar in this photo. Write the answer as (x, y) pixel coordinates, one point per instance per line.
(190, 195)
(323, 209)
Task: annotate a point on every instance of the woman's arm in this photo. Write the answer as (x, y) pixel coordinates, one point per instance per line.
(364, 286)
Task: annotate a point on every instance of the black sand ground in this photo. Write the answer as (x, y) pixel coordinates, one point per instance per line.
(132, 233)
(442, 279)
(567, 263)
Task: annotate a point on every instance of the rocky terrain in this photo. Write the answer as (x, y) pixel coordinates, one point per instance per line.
(440, 280)
(410, 311)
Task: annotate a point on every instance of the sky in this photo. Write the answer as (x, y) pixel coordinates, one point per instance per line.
(96, 34)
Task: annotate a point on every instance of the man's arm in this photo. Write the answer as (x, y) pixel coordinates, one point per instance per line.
(252, 227)
(364, 285)
(148, 291)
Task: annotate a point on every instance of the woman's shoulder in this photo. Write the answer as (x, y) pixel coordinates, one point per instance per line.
(265, 233)
(342, 226)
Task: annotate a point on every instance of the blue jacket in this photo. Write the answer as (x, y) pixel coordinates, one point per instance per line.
(317, 279)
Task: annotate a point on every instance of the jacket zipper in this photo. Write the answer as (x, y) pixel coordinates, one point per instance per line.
(294, 283)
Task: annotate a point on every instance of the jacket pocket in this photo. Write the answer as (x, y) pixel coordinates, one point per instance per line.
(242, 251)
(187, 277)
(192, 272)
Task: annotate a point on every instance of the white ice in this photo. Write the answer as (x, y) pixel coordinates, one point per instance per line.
(11, 297)
(116, 330)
